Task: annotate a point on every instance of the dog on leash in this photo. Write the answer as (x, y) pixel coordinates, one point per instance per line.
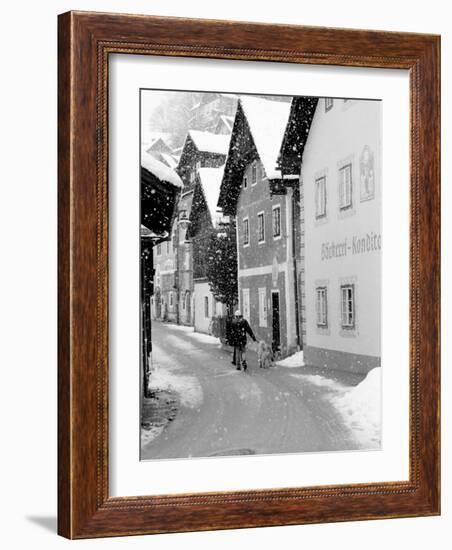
(264, 355)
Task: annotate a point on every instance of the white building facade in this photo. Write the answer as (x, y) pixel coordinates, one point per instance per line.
(340, 190)
(206, 307)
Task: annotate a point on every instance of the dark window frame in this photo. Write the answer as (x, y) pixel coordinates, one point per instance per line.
(261, 227)
(246, 232)
(274, 209)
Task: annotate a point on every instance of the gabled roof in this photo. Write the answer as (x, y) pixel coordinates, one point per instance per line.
(228, 121)
(206, 142)
(159, 170)
(149, 138)
(258, 130)
(148, 234)
(267, 121)
(210, 179)
(170, 160)
(296, 134)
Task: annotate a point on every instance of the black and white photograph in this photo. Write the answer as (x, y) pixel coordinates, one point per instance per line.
(260, 274)
(224, 265)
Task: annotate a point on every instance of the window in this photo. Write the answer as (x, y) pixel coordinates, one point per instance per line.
(206, 307)
(345, 187)
(276, 221)
(159, 250)
(246, 232)
(260, 227)
(262, 307)
(245, 182)
(348, 306)
(254, 173)
(320, 197)
(171, 299)
(167, 247)
(321, 306)
(328, 104)
(157, 276)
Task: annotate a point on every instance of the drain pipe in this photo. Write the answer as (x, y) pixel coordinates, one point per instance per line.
(295, 196)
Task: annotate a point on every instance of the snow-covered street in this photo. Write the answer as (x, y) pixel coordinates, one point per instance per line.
(222, 411)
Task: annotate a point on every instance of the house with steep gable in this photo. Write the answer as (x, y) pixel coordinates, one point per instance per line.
(156, 142)
(160, 188)
(173, 268)
(174, 262)
(209, 111)
(205, 217)
(201, 150)
(254, 192)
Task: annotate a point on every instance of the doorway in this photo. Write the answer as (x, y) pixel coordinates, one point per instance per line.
(276, 331)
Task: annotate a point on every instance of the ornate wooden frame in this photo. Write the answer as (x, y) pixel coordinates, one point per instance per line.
(85, 42)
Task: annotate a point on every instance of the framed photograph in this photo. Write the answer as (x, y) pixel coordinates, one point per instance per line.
(248, 275)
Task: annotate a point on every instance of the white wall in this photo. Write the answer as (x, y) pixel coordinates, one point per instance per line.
(28, 275)
(338, 137)
(202, 291)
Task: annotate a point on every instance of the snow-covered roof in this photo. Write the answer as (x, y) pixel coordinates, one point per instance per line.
(228, 121)
(231, 96)
(210, 143)
(211, 179)
(267, 121)
(170, 160)
(149, 138)
(146, 232)
(160, 170)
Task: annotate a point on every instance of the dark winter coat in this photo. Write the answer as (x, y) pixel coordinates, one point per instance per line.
(239, 329)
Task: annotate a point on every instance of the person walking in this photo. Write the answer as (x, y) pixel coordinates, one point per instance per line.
(240, 328)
